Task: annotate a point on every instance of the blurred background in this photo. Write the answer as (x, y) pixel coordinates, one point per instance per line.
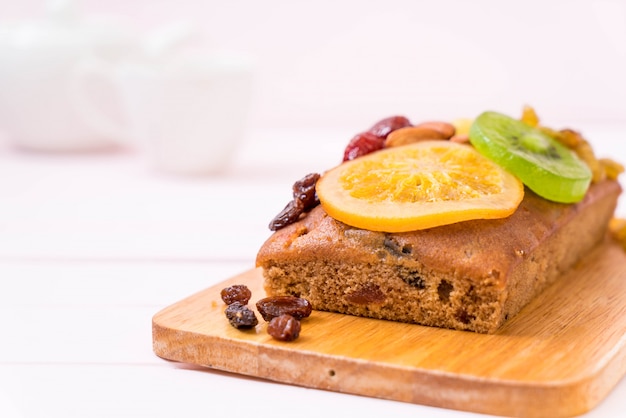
(346, 63)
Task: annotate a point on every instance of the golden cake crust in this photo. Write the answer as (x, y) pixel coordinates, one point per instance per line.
(470, 275)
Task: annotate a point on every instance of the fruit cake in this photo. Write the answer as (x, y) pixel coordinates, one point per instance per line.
(470, 273)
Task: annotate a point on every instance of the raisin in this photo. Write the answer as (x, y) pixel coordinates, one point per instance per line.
(462, 316)
(284, 328)
(236, 293)
(367, 294)
(363, 144)
(385, 126)
(290, 214)
(240, 316)
(304, 190)
(275, 306)
(396, 248)
(444, 289)
(413, 278)
(304, 199)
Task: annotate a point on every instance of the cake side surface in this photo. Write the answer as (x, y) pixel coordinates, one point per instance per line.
(469, 276)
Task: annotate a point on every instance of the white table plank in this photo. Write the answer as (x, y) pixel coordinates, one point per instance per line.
(36, 284)
(43, 391)
(93, 312)
(169, 390)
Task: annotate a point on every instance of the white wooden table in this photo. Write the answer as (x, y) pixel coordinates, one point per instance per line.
(93, 245)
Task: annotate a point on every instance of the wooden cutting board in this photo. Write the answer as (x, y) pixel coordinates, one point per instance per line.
(559, 357)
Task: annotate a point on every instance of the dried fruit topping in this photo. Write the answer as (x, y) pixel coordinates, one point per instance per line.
(385, 126)
(290, 214)
(529, 116)
(546, 166)
(612, 168)
(374, 139)
(421, 132)
(304, 199)
(462, 126)
(568, 137)
(273, 306)
(236, 293)
(617, 228)
(241, 316)
(304, 190)
(535, 149)
(418, 186)
(284, 328)
(362, 144)
(461, 139)
(601, 169)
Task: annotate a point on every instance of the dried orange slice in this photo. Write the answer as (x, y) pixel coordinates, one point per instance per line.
(418, 186)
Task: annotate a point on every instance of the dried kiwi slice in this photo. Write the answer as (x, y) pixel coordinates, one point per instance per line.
(544, 165)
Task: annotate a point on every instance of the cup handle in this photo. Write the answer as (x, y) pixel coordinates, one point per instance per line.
(87, 109)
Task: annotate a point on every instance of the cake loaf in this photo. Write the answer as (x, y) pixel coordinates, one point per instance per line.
(471, 275)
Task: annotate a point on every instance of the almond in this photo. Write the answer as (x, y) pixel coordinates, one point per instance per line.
(421, 132)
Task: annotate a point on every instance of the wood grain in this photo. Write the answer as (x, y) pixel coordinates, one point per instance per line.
(559, 357)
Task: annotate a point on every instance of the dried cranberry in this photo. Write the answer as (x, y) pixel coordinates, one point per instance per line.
(274, 306)
(240, 316)
(236, 293)
(362, 144)
(383, 127)
(284, 328)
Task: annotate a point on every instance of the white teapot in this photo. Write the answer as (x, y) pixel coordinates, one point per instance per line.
(38, 80)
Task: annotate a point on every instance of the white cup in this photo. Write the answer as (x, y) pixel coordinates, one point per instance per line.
(38, 64)
(188, 113)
